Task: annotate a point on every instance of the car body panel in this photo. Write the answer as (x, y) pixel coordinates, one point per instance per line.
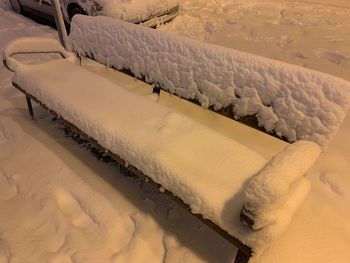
(42, 6)
(148, 12)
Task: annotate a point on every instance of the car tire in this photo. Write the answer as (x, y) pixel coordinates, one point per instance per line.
(16, 6)
(75, 9)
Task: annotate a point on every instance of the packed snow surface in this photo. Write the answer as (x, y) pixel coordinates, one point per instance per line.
(176, 152)
(295, 102)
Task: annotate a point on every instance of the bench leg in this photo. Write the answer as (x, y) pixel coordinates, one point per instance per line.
(30, 107)
(156, 90)
(241, 257)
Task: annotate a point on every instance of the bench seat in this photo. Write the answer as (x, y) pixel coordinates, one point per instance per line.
(206, 169)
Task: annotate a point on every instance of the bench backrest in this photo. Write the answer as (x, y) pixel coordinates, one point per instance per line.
(294, 102)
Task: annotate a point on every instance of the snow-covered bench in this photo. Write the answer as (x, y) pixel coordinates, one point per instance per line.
(215, 176)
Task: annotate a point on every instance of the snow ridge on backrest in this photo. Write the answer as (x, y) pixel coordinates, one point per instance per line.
(295, 102)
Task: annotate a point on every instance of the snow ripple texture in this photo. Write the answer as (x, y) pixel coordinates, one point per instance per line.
(295, 102)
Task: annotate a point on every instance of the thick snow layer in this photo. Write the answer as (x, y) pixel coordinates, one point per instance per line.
(294, 102)
(185, 157)
(279, 181)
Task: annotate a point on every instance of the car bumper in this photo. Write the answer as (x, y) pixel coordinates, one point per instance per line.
(159, 19)
(156, 21)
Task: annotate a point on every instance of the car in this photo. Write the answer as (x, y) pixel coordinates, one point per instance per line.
(148, 12)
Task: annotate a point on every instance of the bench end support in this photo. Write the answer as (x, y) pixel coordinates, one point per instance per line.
(30, 108)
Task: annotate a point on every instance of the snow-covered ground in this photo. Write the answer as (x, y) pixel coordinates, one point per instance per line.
(59, 204)
(313, 35)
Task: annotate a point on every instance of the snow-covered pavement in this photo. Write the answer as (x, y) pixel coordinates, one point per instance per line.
(59, 204)
(313, 35)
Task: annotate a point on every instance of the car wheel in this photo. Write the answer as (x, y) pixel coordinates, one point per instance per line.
(75, 9)
(16, 6)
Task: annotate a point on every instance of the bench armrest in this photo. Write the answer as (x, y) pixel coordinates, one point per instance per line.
(29, 45)
(279, 188)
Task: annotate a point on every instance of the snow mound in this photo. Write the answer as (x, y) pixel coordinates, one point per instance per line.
(293, 101)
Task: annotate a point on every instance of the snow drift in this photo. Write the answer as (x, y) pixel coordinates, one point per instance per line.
(295, 102)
